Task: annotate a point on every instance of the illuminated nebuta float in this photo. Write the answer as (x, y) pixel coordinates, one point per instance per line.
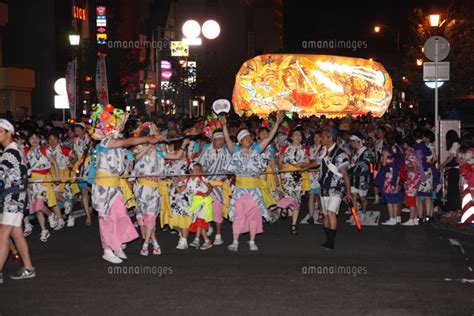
(311, 85)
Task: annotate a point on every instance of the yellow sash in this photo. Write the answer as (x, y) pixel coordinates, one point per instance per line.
(74, 186)
(305, 179)
(266, 193)
(181, 221)
(270, 178)
(148, 183)
(247, 182)
(47, 185)
(165, 212)
(65, 175)
(111, 180)
(128, 193)
(268, 184)
(227, 192)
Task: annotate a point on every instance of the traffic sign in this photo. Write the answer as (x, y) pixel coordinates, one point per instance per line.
(430, 48)
(429, 71)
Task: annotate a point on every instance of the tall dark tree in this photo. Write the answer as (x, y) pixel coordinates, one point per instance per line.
(456, 25)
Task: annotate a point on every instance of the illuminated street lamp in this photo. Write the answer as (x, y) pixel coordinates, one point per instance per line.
(378, 28)
(419, 62)
(434, 19)
(191, 29)
(211, 29)
(74, 39)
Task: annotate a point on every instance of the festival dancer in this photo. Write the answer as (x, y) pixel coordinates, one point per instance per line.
(69, 136)
(334, 179)
(180, 219)
(378, 148)
(40, 190)
(247, 205)
(214, 159)
(65, 158)
(201, 206)
(316, 154)
(294, 158)
(20, 140)
(429, 139)
(110, 191)
(82, 146)
(360, 171)
(269, 182)
(13, 172)
(450, 169)
(388, 178)
(148, 170)
(413, 181)
(428, 174)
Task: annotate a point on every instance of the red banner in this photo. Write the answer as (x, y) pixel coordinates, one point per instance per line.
(101, 81)
(71, 74)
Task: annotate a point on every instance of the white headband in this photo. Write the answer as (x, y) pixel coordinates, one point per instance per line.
(355, 137)
(242, 134)
(218, 135)
(7, 126)
(81, 125)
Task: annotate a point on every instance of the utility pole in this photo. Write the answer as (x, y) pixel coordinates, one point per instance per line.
(158, 68)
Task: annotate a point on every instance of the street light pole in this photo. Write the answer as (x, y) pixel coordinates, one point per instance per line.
(434, 22)
(74, 41)
(436, 100)
(398, 54)
(397, 38)
(158, 68)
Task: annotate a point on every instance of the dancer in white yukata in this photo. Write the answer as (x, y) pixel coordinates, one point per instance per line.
(247, 206)
(149, 168)
(110, 192)
(65, 158)
(214, 159)
(82, 146)
(295, 158)
(316, 154)
(40, 191)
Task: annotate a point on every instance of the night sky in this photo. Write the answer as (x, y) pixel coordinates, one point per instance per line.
(349, 21)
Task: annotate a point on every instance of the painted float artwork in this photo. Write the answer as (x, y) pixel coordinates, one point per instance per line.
(311, 85)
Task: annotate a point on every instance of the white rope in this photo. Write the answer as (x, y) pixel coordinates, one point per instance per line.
(163, 176)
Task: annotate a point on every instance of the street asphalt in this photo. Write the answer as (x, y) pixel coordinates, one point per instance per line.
(382, 270)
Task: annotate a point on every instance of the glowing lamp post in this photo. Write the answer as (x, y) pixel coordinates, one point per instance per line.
(74, 39)
(192, 29)
(61, 99)
(434, 20)
(211, 29)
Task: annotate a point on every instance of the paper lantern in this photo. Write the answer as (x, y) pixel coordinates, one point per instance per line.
(312, 85)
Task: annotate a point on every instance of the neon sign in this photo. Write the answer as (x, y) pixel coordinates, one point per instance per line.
(101, 23)
(79, 13)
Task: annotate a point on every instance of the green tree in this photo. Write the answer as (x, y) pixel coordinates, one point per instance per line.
(457, 27)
